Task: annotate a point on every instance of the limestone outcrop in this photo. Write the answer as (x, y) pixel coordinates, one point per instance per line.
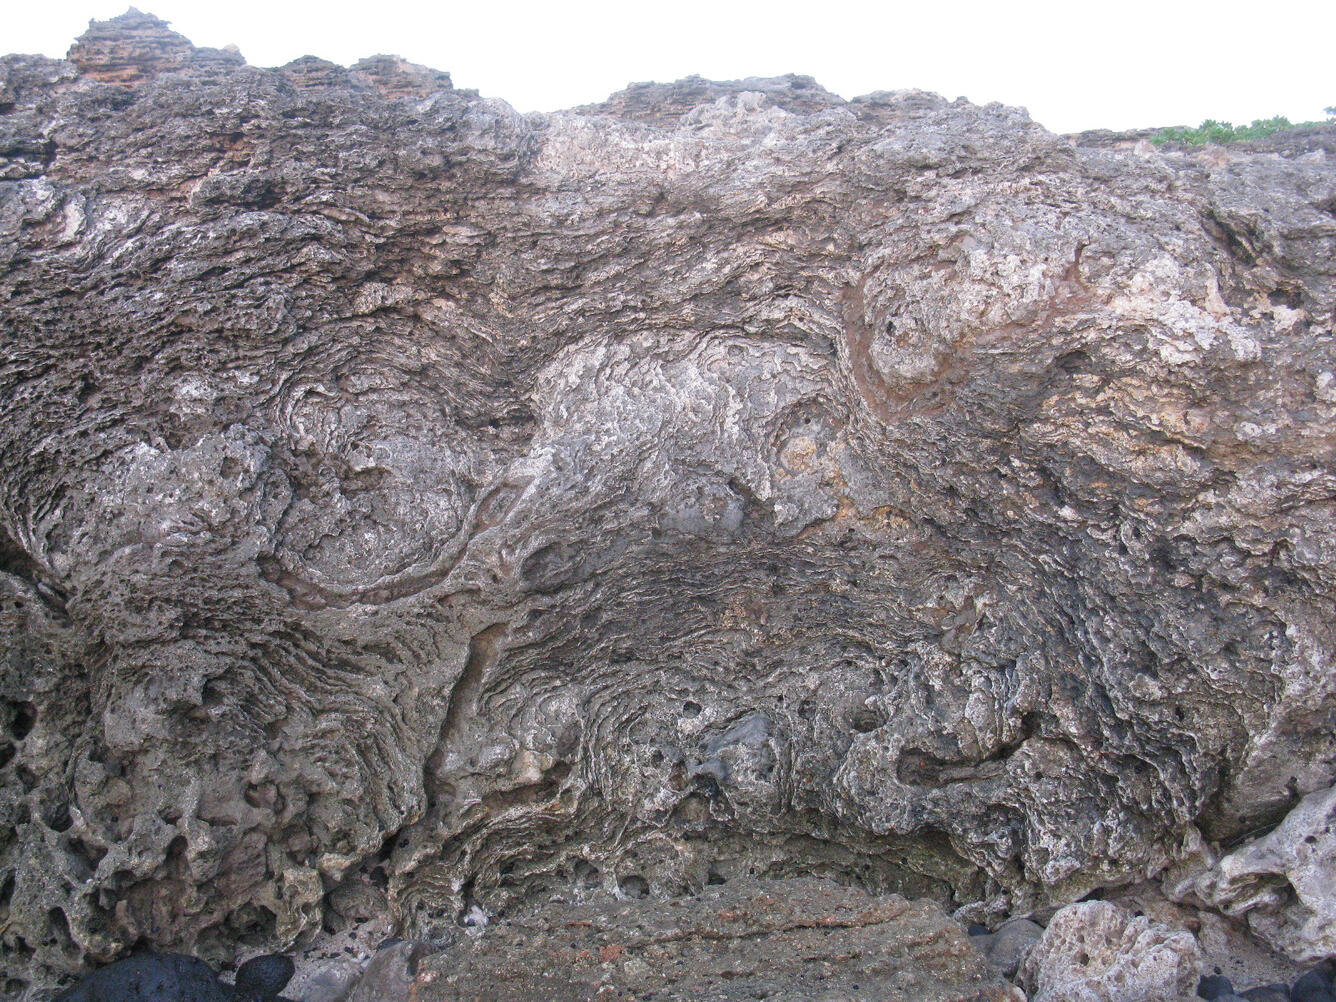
(1094, 951)
(412, 507)
(1283, 882)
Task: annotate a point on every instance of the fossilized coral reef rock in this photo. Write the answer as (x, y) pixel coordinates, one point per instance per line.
(408, 505)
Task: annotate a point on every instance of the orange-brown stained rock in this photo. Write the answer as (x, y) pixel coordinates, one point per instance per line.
(134, 47)
(314, 73)
(395, 77)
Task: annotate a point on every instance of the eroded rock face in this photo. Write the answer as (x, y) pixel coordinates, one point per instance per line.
(1284, 883)
(1094, 951)
(408, 505)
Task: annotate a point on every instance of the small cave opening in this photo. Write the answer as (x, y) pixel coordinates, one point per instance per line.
(22, 719)
(633, 886)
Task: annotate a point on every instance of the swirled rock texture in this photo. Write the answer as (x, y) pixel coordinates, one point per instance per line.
(412, 507)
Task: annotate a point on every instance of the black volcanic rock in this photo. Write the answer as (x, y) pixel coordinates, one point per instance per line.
(169, 977)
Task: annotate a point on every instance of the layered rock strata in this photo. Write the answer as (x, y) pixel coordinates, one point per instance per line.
(411, 507)
(801, 940)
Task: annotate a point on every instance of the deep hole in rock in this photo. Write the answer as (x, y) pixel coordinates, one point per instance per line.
(60, 928)
(864, 721)
(1073, 362)
(634, 886)
(22, 718)
(56, 816)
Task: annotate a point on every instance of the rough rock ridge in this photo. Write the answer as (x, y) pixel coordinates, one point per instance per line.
(408, 506)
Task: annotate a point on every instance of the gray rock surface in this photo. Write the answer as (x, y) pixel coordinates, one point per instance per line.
(1228, 946)
(800, 940)
(1094, 951)
(1284, 882)
(391, 973)
(1006, 948)
(1267, 993)
(411, 507)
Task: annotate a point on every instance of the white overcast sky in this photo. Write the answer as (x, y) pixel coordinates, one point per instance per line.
(1074, 65)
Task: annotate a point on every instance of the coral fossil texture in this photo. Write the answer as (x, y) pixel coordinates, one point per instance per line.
(410, 506)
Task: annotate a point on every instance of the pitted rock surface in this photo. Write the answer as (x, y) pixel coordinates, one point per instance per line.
(801, 940)
(1094, 951)
(409, 507)
(1292, 870)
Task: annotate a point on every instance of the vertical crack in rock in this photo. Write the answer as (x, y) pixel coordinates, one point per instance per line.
(408, 506)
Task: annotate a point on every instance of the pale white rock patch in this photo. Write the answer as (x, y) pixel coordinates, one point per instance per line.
(1094, 951)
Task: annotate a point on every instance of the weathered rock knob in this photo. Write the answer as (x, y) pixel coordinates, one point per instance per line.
(134, 47)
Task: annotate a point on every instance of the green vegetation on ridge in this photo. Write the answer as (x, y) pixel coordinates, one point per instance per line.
(1219, 133)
